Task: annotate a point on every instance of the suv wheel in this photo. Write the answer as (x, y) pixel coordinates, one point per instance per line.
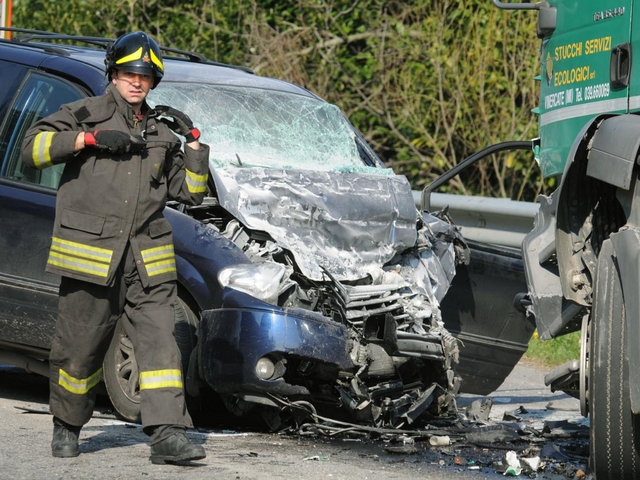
(120, 369)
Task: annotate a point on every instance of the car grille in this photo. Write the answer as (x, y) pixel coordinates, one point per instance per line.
(369, 308)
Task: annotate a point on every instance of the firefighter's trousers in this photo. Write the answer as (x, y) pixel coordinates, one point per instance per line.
(87, 317)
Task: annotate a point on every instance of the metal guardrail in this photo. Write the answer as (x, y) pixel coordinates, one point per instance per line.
(498, 221)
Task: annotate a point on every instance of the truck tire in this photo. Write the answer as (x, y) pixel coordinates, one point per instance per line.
(120, 369)
(614, 428)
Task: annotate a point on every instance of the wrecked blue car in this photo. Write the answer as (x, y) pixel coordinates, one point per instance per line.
(308, 274)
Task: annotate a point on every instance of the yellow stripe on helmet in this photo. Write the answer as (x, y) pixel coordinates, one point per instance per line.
(131, 57)
(156, 60)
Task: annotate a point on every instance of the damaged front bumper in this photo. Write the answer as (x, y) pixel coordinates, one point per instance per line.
(233, 341)
(257, 354)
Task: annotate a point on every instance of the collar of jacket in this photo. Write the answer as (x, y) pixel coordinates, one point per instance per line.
(104, 106)
(123, 107)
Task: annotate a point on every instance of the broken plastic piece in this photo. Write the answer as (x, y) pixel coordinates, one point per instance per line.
(551, 450)
(494, 433)
(405, 449)
(513, 464)
(564, 428)
(479, 410)
(439, 440)
(532, 464)
(511, 458)
(512, 471)
(513, 415)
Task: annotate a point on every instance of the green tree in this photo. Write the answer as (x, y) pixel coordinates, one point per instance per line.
(427, 82)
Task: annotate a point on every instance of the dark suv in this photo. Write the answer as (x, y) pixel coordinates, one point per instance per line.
(307, 274)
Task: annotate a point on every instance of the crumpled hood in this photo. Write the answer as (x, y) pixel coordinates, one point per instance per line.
(346, 223)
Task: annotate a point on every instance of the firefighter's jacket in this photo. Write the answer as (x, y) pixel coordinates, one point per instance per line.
(106, 200)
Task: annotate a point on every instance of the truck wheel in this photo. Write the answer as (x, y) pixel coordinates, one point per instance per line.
(120, 369)
(614, 446)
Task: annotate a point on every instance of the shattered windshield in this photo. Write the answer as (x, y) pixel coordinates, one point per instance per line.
(253, 127)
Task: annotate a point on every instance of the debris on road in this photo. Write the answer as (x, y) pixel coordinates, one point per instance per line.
(471, 440)
(439, 441)
(474, 441)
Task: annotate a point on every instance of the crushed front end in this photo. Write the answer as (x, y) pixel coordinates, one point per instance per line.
(339, 302)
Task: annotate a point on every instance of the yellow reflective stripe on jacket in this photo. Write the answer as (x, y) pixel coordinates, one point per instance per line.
(159, 260)
(79, 257)
(78, 385)
(196, 183)
(129, 58)
(82, 250)
(159, 268)
(160, 379)
(41, 150)
(157, 253)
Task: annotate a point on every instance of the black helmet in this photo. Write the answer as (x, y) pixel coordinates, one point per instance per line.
(135, 52)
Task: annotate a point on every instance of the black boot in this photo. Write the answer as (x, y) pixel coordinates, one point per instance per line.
(65, 439)
(176, 448)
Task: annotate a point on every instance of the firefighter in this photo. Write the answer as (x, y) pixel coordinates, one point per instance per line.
(113, 247)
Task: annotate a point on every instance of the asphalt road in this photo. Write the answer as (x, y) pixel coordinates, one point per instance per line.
(111, 449)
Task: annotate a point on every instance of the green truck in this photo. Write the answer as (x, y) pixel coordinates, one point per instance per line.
(582, 258)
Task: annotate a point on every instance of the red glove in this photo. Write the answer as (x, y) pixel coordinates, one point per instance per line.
(181, 123)
(113, 141)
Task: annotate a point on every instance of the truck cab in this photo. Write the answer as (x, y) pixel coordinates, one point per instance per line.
(582, 258)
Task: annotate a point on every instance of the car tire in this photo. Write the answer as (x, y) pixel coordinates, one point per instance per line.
(120, 369)
(186, 324)
(614, 428)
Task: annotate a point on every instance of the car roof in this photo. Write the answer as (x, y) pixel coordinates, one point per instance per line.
(183, 70)
(85, 61)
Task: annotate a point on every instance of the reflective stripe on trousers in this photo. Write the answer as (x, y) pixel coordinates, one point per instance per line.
(87, 314)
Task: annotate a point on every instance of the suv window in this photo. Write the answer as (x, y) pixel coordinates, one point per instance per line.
(11, 75)
(39, 96)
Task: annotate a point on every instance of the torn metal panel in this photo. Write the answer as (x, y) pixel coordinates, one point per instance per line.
(346, 223)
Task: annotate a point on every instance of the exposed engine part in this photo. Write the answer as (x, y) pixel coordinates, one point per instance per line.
(380, 269)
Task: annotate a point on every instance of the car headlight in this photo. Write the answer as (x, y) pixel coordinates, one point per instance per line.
(261, 280)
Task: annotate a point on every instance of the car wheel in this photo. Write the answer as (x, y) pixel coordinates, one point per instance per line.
(614, 445)
(120, 369)
(186, 324)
